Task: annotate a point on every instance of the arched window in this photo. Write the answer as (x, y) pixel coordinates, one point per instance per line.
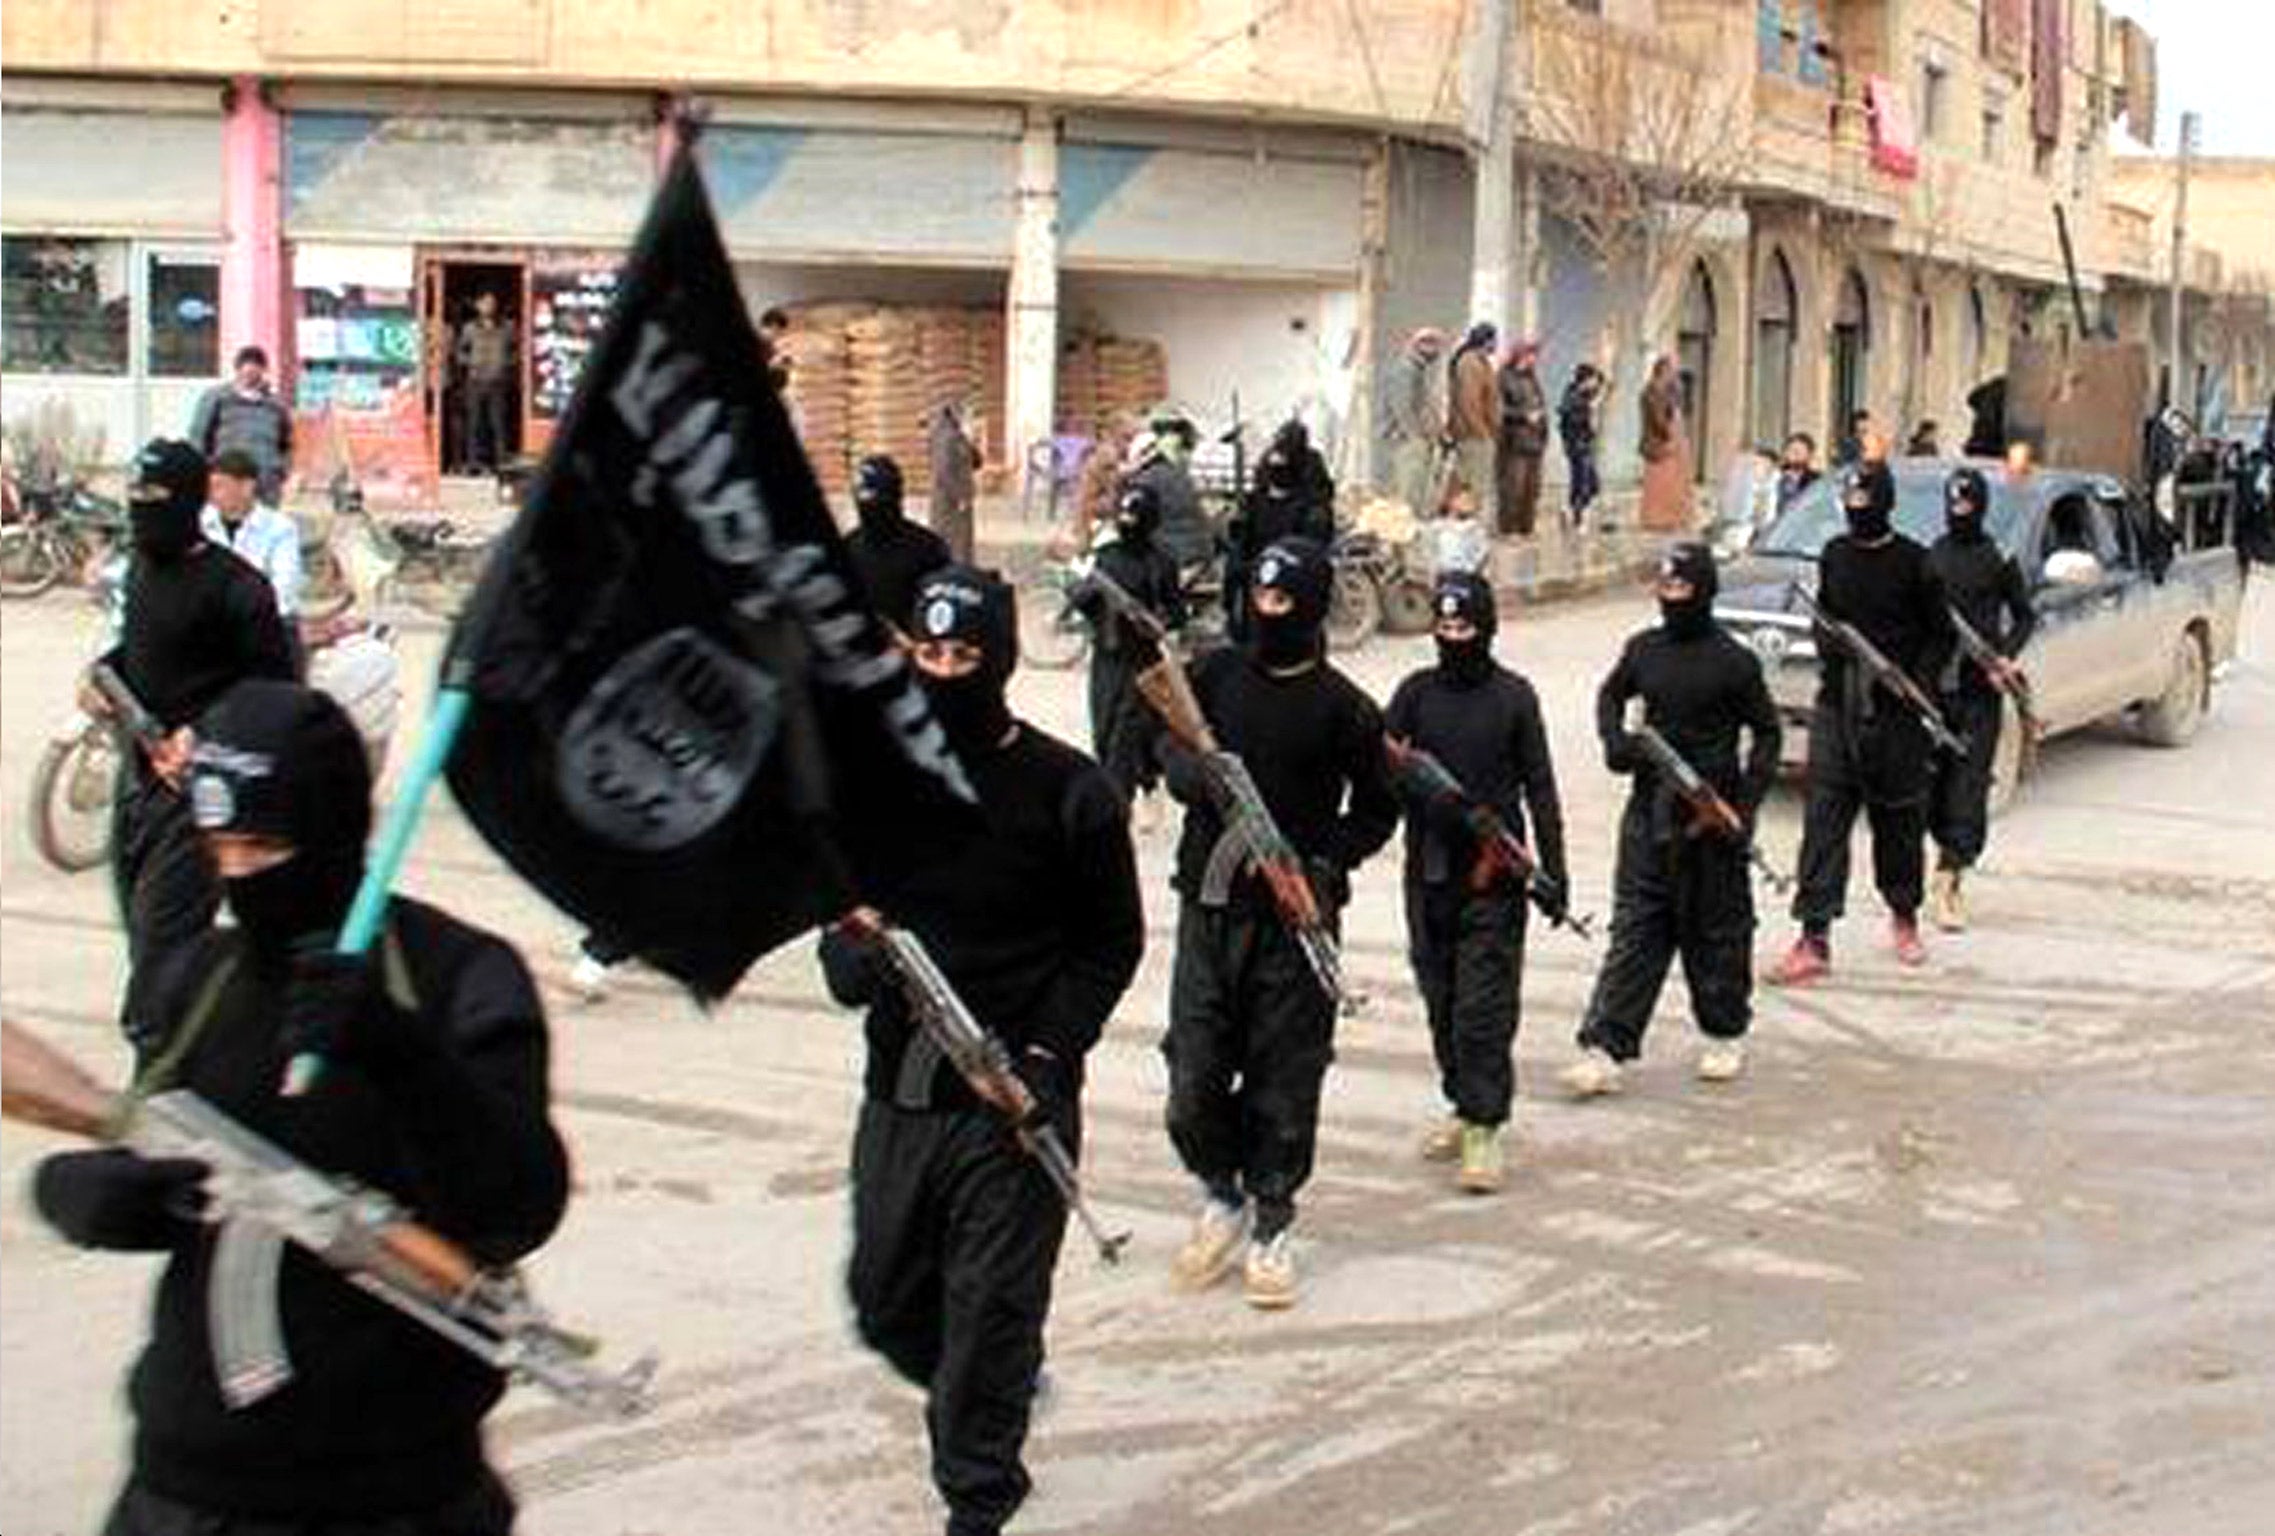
(1776, 310)
(1852, 350)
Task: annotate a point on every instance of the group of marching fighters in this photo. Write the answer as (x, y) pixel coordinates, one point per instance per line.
(1018, 930)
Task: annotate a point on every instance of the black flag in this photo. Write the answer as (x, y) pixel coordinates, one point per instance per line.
(685, 724)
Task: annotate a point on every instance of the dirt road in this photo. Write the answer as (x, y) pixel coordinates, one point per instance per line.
(1989, 1248)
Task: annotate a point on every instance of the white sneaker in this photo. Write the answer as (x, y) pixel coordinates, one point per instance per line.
(1269, 1279)
(588, 978)
(1721, 1062)
(1592, 1076)
(1441, 1143)
(1213, 1248)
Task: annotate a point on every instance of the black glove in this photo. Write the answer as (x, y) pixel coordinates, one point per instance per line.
(1621, 754)
(114, 1199)
(851, 968)
(1055, 1090)
(1329, 884)
(1551, 896)
(329, 999)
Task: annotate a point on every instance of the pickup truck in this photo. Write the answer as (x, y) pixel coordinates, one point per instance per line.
(2134, 615)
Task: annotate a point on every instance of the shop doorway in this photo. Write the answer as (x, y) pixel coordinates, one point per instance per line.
(474, 318)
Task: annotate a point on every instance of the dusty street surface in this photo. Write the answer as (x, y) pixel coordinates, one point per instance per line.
(1985, 1249)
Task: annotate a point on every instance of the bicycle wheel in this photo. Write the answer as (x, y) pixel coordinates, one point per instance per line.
(1354, 611)
(71, 797)
(29, 561)
(1051, 634)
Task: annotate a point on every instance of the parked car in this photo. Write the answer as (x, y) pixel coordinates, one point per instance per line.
(2134, 616)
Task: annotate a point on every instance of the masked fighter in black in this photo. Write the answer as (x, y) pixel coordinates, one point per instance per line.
(435, 1094)
(1251, 1031)
(197, 620)
(1986, 587)
(891, 553)
(1680, 889)
(1868, 750)
(1465, 901)
(1123, 728)
(1031, 911)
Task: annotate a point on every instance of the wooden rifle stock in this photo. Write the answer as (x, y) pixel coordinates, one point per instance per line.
(39, 1085)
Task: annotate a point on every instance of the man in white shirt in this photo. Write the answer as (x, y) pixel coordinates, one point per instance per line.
(264, 537)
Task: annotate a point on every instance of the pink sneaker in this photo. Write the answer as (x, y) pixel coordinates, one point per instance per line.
(1804, 963)
(1905, 932)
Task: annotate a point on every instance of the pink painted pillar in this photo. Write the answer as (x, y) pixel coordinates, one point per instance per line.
(252, 221)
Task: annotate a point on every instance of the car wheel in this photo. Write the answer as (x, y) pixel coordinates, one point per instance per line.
(2172, 717)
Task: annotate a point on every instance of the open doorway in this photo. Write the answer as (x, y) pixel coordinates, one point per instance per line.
(477, 348)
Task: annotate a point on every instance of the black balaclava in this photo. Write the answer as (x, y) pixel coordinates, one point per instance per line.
(1466, 595)
(1298, 567)
(1966, 497)
(959, 602)
(1137, 516)
(1694, 615)
(877, 493)
(166, 498)
(278, 760)
(1868, 496)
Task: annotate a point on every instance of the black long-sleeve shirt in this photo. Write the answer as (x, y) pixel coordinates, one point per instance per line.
(1030, 909)
(1311, 741)
(194, 628)
(1982, 582)
(1488, 733)
(451, 1119)
(1148, 573)
(1699, 692)
(893, 559)
(1891, 593)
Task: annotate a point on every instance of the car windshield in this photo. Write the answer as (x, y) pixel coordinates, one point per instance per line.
(1804, 528)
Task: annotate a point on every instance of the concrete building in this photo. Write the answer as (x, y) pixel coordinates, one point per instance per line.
(1274, 195)
(2228, 304)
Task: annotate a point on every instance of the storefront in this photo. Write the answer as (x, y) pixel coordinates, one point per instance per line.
(111, 261)
(409, 225)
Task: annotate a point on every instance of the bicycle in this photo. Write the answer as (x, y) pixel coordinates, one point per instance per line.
(59, 528)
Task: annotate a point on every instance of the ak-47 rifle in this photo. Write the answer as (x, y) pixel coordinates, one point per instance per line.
(1251, 839)
(129, 712)
(2002, 674)
(1430, 780)
(261, 1197)
(1709, 811)
(1884, 672)
(983, 1061)
(1134, 613)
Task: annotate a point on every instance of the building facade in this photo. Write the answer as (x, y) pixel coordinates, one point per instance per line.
(1269, 199)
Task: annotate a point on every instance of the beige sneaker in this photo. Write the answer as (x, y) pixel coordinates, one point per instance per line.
(1441, 1143)
(1947, 902)
(1723, 1061)
(1212, 1249)
(1269, 1279)
(1592, 1076)
(1482, 1160)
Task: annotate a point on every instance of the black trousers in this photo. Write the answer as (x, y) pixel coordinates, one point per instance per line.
(167, 890)
(1468, 953)
(1586, 483)
(1673, 895)
(1123, 727)
(484, 1510)
(488, 431)
(955, 1236)
(1959, 805)
(1250, 1037)
(1879, 767)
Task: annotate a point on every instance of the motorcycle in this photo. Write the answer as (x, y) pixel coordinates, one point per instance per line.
(55, 532)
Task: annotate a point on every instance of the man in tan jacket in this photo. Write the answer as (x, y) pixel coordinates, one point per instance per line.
(1473, 413)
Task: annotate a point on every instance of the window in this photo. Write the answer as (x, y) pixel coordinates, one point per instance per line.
(1769, 36)
(2042, 159)
(1933, 78)
(65, 303)
(184, 317)
(1994, 126)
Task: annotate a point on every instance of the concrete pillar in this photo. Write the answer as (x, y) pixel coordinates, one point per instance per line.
(1492, 263)
(1361, 458)
(252, 220)
(1530, 253)
(1032, 327)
